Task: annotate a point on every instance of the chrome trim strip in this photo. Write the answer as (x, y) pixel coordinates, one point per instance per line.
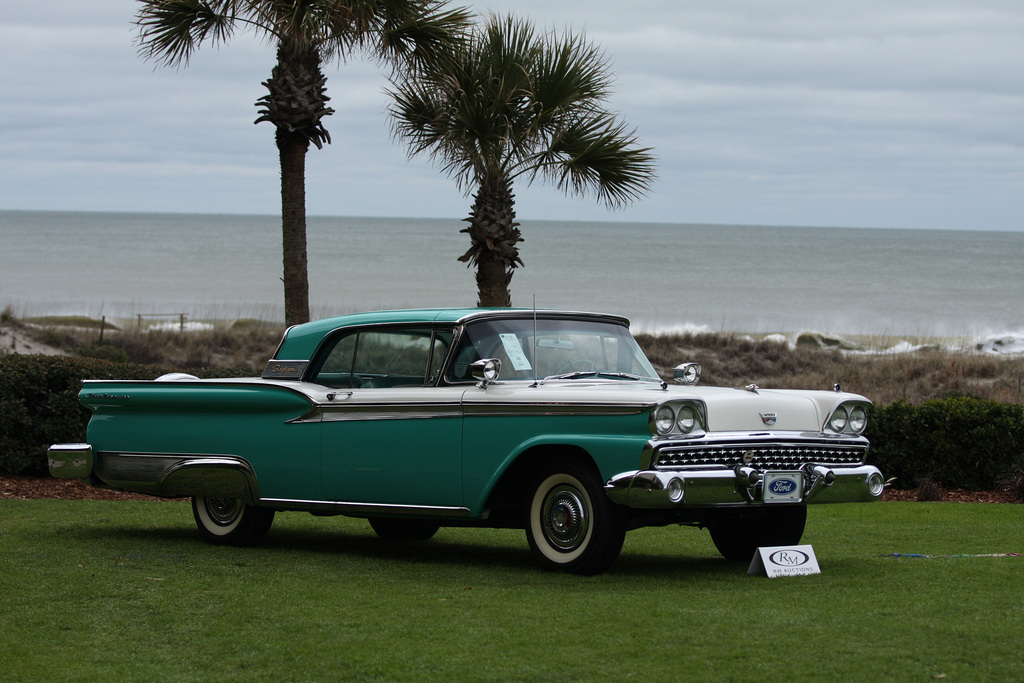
(344, 507)
(328, 412)
(227, 477)
(178, 474)
(541, 409)
(387, 411)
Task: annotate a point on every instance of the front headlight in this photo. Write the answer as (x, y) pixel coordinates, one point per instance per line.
(858, 420)
(686, 419)
(664, 419)
(837, 423)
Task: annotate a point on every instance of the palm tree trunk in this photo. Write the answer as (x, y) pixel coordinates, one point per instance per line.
(492, 282)
(493, 233)
(292, 149)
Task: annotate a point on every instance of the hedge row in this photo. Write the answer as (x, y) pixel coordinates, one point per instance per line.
(39, 403)
(958, 442)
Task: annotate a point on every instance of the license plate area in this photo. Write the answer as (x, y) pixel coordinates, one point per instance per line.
(782, 487)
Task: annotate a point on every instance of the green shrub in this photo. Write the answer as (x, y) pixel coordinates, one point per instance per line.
(39, 403)
(955, 442)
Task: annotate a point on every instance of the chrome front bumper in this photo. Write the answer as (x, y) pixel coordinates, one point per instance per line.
(658, 489)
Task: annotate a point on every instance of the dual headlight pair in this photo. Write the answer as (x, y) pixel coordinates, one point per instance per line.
(848, 419)
(675, 418)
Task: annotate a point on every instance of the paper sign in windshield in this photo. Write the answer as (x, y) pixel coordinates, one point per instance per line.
(515, 352)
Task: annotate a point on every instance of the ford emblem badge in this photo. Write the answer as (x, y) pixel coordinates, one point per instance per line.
(782, 486)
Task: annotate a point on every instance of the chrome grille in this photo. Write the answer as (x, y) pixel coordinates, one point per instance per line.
(758, 456)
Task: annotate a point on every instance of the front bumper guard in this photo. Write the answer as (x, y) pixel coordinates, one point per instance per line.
(661, 489)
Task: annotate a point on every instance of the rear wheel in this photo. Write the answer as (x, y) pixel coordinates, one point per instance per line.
(738, 539)
(396, 529)
(230, 521)
(572, 525)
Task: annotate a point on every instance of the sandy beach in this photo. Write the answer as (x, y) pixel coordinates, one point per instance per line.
(13, 340)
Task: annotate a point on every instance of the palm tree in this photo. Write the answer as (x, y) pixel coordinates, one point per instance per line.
(512, 103)
(307, 33)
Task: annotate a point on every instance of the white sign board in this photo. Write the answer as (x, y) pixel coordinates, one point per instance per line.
(785, 560)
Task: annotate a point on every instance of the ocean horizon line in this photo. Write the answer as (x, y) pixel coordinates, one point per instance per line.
(519, 219)
(757, 280)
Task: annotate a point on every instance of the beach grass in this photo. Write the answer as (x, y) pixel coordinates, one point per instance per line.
(126, 590)
(925, 368)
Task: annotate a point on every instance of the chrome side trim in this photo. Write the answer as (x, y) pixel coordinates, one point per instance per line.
(173, 475)
(350, 508)
(541, 409)
(327, 412)
(227, 477)
(385, 411)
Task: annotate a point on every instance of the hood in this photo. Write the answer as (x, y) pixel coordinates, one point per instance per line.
(743, 410)
(728, 409)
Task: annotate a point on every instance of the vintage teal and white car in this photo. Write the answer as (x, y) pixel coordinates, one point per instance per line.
(553, 422)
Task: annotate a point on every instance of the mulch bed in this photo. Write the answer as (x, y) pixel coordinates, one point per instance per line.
(72, 489)
(63, 489)
(957, 496)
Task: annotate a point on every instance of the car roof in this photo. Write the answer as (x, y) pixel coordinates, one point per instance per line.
(300, 341)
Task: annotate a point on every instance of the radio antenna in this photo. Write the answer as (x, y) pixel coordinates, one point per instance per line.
(535, 378)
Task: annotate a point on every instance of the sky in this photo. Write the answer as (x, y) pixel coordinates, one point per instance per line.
(858, 113)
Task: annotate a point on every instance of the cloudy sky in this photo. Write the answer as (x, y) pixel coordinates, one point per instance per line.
(862, 113)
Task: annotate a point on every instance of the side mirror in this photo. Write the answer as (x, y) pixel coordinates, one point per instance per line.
(485, 371)
(687, 373)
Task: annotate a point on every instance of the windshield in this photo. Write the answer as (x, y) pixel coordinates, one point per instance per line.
(559, 347)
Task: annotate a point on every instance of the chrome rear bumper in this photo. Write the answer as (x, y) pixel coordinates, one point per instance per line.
(70, 460)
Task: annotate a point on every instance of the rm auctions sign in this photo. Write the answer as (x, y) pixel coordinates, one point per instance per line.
(790, 560)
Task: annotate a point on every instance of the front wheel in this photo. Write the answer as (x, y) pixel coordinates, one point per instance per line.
(230, 521)
(738, 539)
(572, 525)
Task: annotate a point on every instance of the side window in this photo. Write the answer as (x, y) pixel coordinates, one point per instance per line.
(400, 354)
(384, 358)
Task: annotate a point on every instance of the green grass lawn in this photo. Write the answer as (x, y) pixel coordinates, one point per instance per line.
(93, 590)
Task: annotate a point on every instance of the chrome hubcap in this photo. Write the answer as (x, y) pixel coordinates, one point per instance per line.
(566, 518)
(223, 511)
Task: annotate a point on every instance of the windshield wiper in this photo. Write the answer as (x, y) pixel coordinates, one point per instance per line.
(621, 375)
(592, 373)
(573, 375)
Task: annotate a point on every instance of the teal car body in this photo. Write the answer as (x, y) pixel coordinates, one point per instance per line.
(550, 421)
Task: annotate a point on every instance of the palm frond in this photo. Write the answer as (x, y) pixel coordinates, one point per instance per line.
(421, 33)
(171, 30)
(513, 102)
(597, 153)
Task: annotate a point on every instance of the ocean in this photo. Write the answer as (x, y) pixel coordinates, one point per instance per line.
(664, 277)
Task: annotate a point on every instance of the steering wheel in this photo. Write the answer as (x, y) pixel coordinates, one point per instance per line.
(578, 365)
